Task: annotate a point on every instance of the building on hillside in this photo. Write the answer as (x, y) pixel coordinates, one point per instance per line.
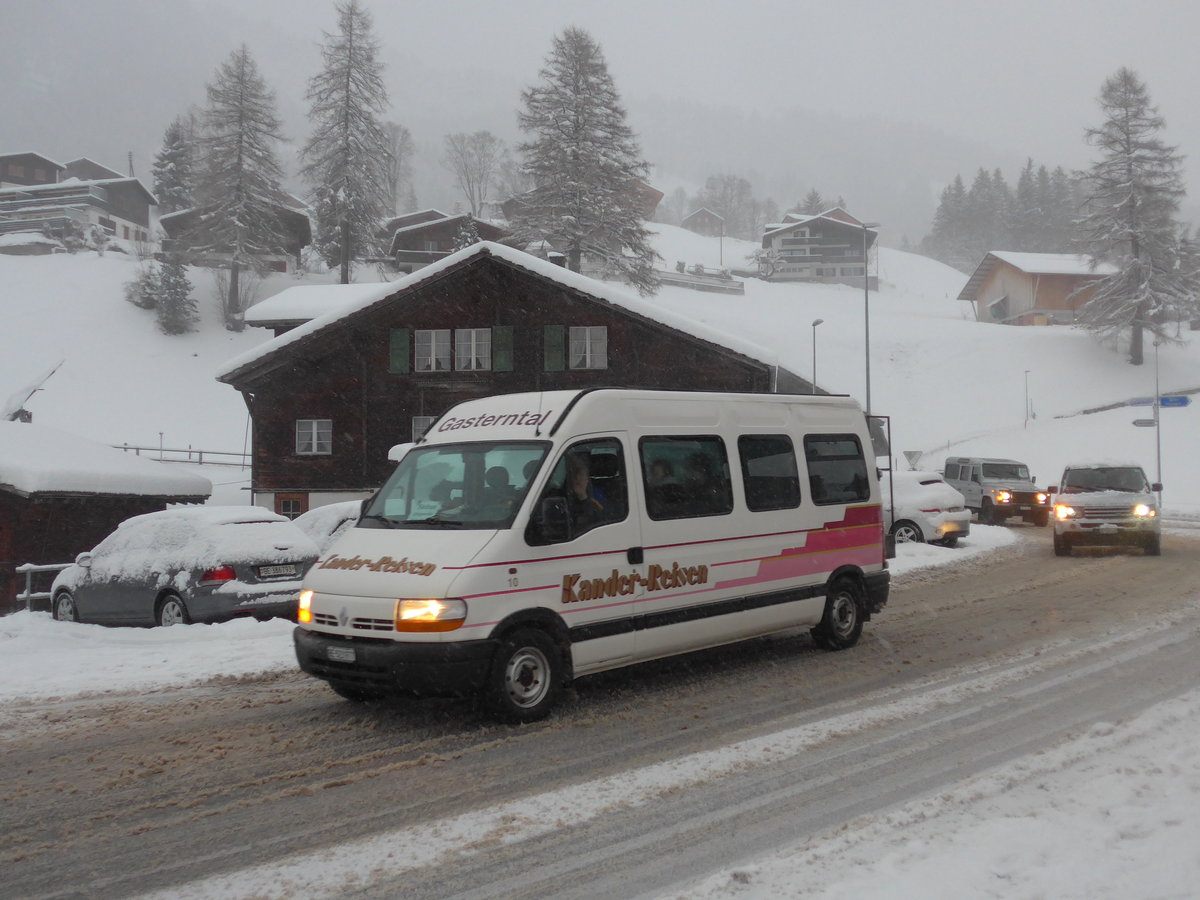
(1032, 288)
(831, 247)
(420, 243)
(79, 200)
(61, 495)
(329, 398)
(704, 221)
(293, 217)
(395, 223)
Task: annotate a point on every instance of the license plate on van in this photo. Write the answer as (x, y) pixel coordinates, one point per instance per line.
(275, 571)
(340, 654)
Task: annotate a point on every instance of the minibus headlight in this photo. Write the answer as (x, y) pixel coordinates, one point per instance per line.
(1003, 496)
(304, 609)
(1144, 511)
(430, 614)
(1062, 511)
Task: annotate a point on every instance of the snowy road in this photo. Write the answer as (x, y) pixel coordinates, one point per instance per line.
(646, 779)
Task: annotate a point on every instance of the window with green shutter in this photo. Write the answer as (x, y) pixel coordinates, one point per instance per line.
(398, 351)
(553, 348)
(502, 348)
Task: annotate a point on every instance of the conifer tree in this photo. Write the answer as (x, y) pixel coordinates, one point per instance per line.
(1134, 189)
(348, 159)
(177, 312)
(585, 164)
(467, 235)
(813, 203)
(239, 196)
(173, 168)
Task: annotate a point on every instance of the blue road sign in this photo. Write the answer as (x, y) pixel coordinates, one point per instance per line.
(1174, 401)
(1142, 401)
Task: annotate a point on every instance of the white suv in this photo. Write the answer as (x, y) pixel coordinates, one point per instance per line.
(1104, 504)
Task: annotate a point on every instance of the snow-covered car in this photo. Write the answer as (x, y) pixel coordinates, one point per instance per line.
(188, 564)
(325, 524)
(926, 509)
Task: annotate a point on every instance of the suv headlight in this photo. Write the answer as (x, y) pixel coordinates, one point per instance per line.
(1062, 511)
(1042, 499)
(1145, 511)
(1003, 496)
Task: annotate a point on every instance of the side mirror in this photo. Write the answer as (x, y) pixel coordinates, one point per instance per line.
(84, 560)
(556, 523)
(1051, 490)
(1156, 487)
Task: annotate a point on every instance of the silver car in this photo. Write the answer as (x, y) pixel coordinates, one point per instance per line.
(926, 509)
(188, 564)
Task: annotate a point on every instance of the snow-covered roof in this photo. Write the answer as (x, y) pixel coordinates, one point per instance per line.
(794, 220)
(361, 297)
(704, 209)
(38, 460)
(306, 302)
(41, 156)
(1054, 263)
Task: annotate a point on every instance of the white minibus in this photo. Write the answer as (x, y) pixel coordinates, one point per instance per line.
(529, 539)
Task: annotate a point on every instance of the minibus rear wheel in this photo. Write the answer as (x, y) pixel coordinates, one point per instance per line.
(525, 678)
(842, 623)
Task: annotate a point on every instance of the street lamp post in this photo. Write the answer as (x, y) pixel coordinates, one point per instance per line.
(1157, 429)
(815, 323)
(1026, 398)
(867, 313)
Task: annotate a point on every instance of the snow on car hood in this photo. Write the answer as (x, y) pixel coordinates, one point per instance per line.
(911, 495)
(396, 562)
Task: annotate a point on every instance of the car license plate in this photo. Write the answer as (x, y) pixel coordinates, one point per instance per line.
(272, 571)
(340, 654)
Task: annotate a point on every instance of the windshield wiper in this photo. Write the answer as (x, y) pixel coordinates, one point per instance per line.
(437, 520)
(376, 517)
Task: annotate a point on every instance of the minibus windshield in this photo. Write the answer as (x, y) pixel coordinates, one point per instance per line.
(452, 486)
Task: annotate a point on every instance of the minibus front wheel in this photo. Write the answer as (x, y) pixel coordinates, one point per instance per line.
(842, 623)
(525, 678)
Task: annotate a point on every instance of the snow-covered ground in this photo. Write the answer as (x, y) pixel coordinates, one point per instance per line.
(1096, 816)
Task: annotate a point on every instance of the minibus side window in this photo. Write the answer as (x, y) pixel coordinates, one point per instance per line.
(769, 472)
(837, 470)
(586, 489)
(685, 476)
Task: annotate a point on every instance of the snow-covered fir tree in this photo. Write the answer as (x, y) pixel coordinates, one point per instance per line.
(144, 290)
(813, 203)
(467, 235)
(238, 197)
(347, 160)
(400, 194)
(177, 313)
(173, 168)
(1134, 189)
(585, 164)
(475, 160)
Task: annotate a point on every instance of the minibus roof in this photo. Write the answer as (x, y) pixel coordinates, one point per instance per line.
(540, 415)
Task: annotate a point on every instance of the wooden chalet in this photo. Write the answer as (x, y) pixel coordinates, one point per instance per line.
(704, 221)
(831, 247)
(297, 229)
(329, 398)
(61, 495)
(420, 243)
(1032, 288)
(38, 194)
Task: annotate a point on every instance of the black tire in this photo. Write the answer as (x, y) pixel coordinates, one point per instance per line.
(1153, 546)
(171, 610)
(63, 608)
(525, 679)
(1062, 547)
(950, 540)
(842, 624)
(987, 514)
(355, 692)
(1041, 518)
(908, 532)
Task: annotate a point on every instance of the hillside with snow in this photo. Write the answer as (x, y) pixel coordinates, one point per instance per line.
(950, 385)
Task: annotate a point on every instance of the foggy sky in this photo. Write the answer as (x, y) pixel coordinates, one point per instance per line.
(993, 82)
